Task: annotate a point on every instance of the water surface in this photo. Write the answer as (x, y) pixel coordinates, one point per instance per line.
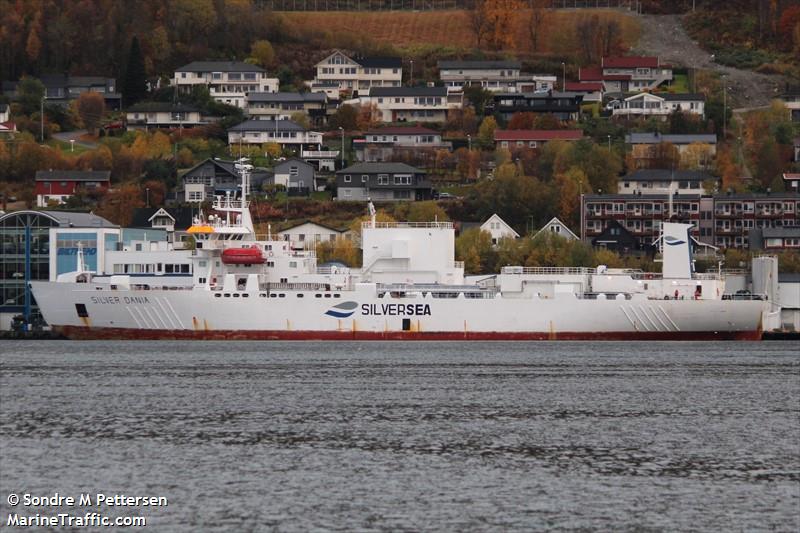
(252, 436)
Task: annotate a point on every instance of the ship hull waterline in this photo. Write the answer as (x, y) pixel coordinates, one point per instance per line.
(90, 333)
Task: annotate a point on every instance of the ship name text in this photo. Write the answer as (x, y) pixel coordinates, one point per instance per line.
(122, 300)
(396, 309)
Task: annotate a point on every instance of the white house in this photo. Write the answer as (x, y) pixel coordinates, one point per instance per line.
(559, 228)
(154, 115)
(663, 181)
(307, 234)
(661, 105)
(498, 229)
(228, 82)
(410, 104)
(381, 144)
(495, 76)
(4, 113)
(286, 133)
(282, 105)
(356, 74)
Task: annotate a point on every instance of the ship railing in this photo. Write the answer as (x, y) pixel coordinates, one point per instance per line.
(749, 297)
(734, 271)
(658, 275)
(332, 270)
(310, 286)
(547, 270)
(442, 225)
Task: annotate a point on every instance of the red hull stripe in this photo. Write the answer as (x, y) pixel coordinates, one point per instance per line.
(84, 333)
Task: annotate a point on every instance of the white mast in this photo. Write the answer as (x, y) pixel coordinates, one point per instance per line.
(372, 213)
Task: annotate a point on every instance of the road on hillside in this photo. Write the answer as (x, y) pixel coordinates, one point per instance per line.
(75, 135)
(665, 36)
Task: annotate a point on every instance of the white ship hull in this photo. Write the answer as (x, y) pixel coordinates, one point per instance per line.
(361, 314)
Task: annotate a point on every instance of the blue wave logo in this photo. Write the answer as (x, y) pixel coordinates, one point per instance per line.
(343, 310)
(673, 241)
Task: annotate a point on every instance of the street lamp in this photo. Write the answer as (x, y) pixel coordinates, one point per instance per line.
(341, 129)
(469, 141)
(72, 145)
(564, 76)
(41, 118)
(147, 196)
(609, 142)
(411, 77)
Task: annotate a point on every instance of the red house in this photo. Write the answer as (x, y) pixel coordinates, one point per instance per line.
(58, 185)
(533, 138)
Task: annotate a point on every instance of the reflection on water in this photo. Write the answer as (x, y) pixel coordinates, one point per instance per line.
(434, 436)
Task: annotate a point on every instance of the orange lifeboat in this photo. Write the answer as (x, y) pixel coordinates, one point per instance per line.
(242, 256)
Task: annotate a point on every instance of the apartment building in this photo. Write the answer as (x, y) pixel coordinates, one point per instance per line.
(357, 74)
(644, 146)
(664, 181)
(228, 82)
(384, 144)
(513, 139)
(162, 115)
(736, 214)
(723, 221)
(561, 105)
(382, 182)
(286, 133)
(410, 104)
(282, 105)
(495, 76)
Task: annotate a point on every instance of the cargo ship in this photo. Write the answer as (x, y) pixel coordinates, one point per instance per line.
(410, 287)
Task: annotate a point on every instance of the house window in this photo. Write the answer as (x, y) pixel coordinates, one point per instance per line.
(383, 179)
(347, 178)
(402, 180)
(364, 178)
(216, 76)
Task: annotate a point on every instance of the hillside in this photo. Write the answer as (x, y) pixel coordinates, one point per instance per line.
(452, 28)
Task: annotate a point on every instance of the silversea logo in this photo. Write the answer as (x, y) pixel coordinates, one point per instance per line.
(673, 241)
(342, 310)
(347, 309)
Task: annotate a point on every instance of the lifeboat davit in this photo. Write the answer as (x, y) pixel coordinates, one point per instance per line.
(242, 256)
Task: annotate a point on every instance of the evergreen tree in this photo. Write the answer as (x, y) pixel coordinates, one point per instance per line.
(134, 87)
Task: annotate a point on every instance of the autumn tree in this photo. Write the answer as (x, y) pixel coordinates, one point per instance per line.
(486, 132)
(522, 121)
(368, 116)
(341, 250)
(478, 97)
(728, 170)
(467, 163)
(492, 22)
(155, 192)
(345, 117)
(570, 184)
(697, 156)
(119, 205)
(262, 53)
(536, 21)
(91, 108)
(664, 155)
(474, 247)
